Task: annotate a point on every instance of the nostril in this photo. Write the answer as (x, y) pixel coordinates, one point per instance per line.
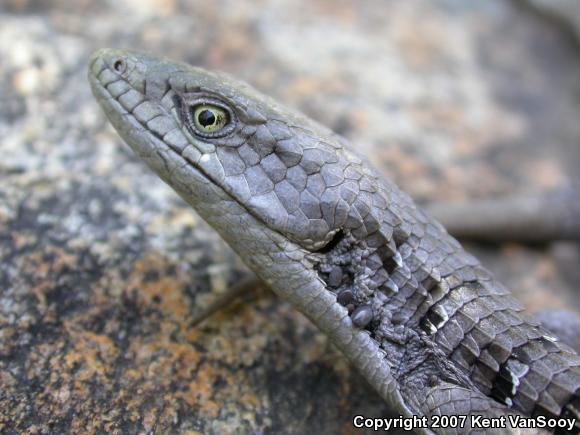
(119, 65)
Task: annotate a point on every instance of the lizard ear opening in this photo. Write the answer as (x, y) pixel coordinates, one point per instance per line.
(336, 239)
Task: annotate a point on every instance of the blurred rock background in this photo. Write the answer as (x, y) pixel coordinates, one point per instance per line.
(102, 266)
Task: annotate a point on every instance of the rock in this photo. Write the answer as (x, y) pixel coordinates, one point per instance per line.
(565, 12)
(102, 267)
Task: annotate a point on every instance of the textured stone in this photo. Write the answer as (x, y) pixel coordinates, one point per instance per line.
(102, 267)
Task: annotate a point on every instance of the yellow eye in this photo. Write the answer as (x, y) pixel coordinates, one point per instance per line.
(209, 119)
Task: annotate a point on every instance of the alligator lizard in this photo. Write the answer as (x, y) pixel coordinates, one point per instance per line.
(429, 328)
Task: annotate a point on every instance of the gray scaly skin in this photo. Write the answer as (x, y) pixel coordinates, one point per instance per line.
(423, 321)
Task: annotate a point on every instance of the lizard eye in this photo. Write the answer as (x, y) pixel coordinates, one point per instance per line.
(210, 120)
(205, 116)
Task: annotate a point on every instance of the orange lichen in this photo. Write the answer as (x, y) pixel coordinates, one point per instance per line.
(199, 392)
(166, 290)
(93, 353)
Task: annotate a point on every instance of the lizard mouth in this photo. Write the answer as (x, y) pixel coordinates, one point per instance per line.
(132, 130)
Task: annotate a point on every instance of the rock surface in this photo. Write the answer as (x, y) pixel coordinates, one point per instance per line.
(565, 12)
(102, 267)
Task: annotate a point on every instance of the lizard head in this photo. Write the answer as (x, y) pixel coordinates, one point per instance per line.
(217, 142)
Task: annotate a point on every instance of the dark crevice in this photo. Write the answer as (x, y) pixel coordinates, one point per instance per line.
(338, 237)
(388, 257)
(390, 265)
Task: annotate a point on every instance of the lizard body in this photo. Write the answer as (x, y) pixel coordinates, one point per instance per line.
(429, 327)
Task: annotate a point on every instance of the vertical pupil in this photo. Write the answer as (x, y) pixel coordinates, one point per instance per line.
(206, 118)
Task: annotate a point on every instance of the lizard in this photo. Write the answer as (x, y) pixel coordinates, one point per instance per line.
(430, 329)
